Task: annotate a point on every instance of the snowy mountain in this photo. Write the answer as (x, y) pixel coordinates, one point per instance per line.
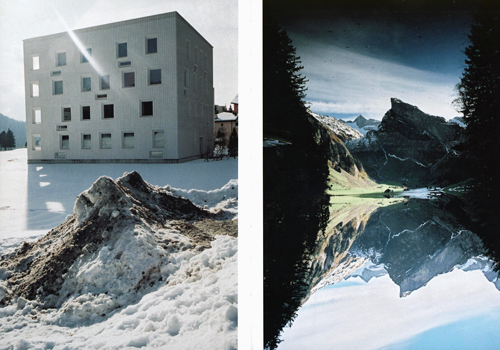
(362, 124)
(343, 131)
(136, 265)
(409, 145)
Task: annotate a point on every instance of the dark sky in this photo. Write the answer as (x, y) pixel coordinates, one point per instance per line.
(359, 54)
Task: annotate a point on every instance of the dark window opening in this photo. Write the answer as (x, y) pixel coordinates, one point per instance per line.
(66, 114)
(155, 76)
(151, 46)
(122, 50)
(108, 111)
(128, 79)
(86, 112)
(147, 108)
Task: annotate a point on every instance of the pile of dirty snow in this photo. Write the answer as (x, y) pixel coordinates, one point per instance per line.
(134, 266)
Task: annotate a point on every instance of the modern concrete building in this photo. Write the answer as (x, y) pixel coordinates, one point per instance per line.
(134, 91)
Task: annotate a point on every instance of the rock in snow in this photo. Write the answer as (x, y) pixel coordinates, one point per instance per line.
(136, 265)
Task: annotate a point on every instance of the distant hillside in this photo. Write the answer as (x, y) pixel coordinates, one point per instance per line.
(362, 124)
(17, 127)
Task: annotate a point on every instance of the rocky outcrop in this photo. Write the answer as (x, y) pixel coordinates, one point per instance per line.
(329, 131)
(409, 145)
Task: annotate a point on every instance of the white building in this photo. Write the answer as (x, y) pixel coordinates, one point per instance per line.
(134, 91)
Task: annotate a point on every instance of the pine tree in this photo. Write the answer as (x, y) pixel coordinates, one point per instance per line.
(284, 86)
(233, 144)
(479, 101)
(10, 139)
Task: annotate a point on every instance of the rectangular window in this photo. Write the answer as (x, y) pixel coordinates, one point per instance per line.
(151, 45)
(154, 76)
(108, 111)
(186, 78)
(35, 90)
(124, 64)
(85, 112)
(66, 114)
(64, 141)
(105, 82)
(36, 62)
(155, 154)
(55, 73)
(86, 141)
(86, 84)
(58, 87)
(61, 127)
(122, 50)
(106, 141)
(128, 140)
(188, 49)
(37, 116)
(147, 108)
(101, 96)
(85, 56)
(158, 139)
(61, 59)
(128, 79)
(36, 142)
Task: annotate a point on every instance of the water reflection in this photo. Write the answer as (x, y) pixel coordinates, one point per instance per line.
(384, 275)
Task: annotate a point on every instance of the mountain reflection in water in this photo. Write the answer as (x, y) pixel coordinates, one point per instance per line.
(382, 276)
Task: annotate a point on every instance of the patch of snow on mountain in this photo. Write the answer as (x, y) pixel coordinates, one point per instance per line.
(340, 129)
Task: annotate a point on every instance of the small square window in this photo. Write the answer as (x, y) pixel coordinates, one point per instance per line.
(64, 141)
(147, 108)
(66, 114)
(122, 50)
(85, 112)
(61, 59)
(86, 141)
(105, 85)
(158, 139)
(154, 76)
(129, 79)
(151, 45)
(128, 140)
(86, 84)
(105, 141)
(35, 90)
(86, 56)
(36, 62)
(37, 116)
(108, 111)
(58, 87)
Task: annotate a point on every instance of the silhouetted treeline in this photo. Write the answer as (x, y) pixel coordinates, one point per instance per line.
(7, 140)
(479, 100)
(295, 175)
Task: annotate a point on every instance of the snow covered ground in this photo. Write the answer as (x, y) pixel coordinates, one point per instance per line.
(197, 307)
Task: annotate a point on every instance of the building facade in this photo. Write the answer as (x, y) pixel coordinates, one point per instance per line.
(134, 91)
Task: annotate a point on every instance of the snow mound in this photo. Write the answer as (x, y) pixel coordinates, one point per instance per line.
(127, 240)
(223, 200)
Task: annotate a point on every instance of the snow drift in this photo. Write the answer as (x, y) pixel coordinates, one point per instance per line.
(149, 264)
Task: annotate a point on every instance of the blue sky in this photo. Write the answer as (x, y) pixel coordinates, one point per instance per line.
(356, 61)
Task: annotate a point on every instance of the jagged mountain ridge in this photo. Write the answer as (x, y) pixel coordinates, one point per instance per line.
(362, 124)
(409, 145)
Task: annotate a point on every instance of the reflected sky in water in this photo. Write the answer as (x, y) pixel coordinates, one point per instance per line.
(456, 310)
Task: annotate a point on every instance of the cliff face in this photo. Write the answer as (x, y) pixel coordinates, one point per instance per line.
(409, 145)
(334, 134)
